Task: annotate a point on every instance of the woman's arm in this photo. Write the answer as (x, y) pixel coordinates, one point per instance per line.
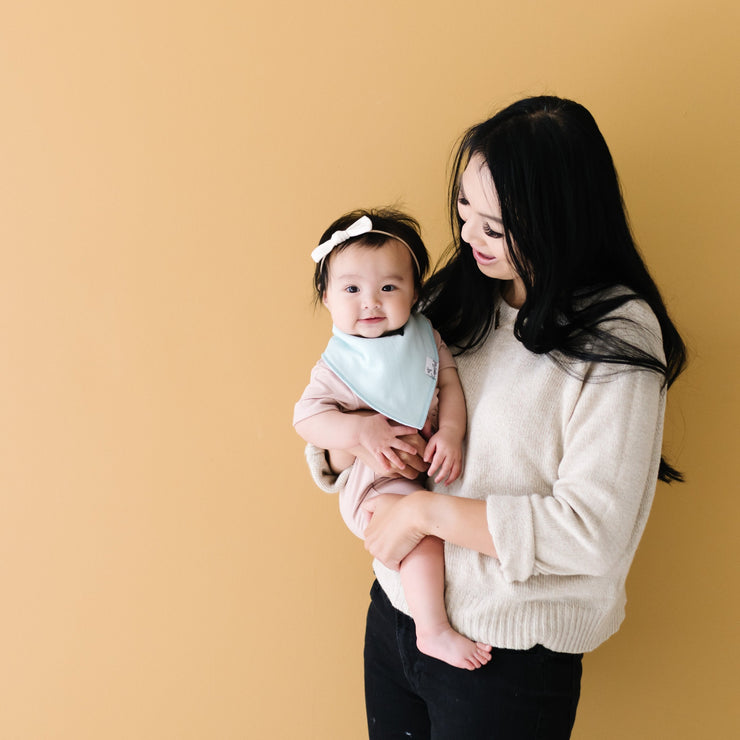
(606, 479)
(399, 523)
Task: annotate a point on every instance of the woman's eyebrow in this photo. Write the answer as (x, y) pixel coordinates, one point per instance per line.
(492, 218)
(461, 192)
(497, 219)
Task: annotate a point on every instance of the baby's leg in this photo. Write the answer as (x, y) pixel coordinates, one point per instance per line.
(422, 576)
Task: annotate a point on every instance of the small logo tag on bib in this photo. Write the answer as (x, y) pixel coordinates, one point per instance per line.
(432, 368)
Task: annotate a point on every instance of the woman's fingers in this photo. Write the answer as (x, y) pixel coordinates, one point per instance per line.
(414, 461)
(391, 534)
(402, 445)
(394, 461)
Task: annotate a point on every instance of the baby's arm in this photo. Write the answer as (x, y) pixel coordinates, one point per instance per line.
(444, 449)
(337, 430)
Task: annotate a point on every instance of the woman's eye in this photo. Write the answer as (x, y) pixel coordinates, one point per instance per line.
(488, 231)
(462, 201)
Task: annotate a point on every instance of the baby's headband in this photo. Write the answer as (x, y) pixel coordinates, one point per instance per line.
(362, 226)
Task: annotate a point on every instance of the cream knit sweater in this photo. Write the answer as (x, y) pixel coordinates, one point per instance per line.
(567, 463)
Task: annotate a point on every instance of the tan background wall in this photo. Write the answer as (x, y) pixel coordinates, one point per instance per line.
(167, 570)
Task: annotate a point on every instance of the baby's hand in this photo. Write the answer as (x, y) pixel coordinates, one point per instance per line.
(380, 437)
(444, 453)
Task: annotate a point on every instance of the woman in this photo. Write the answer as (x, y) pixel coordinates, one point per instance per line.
(565, 352)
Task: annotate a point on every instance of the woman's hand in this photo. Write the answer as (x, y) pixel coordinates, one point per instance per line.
(412, 462)
(399, 523)
(395, 527)
(384, 440)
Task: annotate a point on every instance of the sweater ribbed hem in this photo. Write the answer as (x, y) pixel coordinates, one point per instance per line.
(559, 626)
(562, 626)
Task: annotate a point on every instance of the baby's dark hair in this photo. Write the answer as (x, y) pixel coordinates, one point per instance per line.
(388, 220)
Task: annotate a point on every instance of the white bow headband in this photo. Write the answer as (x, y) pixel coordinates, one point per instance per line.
(363, 225)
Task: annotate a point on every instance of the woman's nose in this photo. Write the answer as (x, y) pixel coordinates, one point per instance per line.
(466, 231)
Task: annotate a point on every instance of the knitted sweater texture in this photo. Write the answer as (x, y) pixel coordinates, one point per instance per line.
(567, 463)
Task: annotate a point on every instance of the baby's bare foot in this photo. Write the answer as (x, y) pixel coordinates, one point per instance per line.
(453, 648)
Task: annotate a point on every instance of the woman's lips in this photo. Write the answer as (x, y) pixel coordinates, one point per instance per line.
(481, 258)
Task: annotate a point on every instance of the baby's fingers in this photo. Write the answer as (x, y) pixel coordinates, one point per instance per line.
(431, 456)
(444, 472)
(455, 468)
(454, 474)
(439, 466)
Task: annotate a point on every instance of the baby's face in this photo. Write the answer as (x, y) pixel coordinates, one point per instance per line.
(370, 290)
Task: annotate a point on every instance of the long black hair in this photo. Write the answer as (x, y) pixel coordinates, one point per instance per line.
(569, 240)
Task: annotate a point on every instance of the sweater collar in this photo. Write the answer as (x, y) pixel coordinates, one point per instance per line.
(505, 314)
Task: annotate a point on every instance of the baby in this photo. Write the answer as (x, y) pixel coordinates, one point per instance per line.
(385, 357)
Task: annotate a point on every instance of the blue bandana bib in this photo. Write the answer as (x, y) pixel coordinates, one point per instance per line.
(394, 375)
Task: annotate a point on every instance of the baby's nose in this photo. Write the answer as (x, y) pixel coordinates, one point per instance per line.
(371, 300)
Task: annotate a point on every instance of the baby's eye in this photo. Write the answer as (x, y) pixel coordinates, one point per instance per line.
(388, 288)
(488, 231)
(352, 289)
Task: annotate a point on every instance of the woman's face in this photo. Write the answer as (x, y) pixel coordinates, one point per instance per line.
(478, 206)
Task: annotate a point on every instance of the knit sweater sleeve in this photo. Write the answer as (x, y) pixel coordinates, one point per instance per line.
(605, 481)
(323, 476)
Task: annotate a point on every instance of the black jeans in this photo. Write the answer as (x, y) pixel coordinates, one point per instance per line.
(519, 695)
